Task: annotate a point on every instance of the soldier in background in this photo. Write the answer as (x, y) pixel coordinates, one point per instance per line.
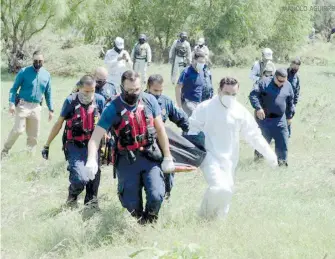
(180, 56)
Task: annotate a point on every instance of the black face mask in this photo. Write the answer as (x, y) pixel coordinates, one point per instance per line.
(294, 71)
(100, 83)
(131, 99)
(117, 49)
(141, 41)
(201, 46)
(37, 65)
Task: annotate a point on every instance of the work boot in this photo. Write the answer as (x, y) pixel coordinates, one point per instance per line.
(71, 202)
(282, 163)
(149, 218)
(167, 195)
(258, 156)
(4, 153)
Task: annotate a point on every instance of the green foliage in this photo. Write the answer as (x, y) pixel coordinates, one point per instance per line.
(22, 19)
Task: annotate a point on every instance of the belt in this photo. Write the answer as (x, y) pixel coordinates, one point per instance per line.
(80, 144)
(273, 116)
(141, 58)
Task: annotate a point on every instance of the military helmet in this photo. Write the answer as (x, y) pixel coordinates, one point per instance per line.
(267, 53)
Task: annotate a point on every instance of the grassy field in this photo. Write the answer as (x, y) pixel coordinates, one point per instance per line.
(283, 213)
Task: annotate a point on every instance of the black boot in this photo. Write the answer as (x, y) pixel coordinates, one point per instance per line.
(71, 202)
(282, 163)
(258, 156)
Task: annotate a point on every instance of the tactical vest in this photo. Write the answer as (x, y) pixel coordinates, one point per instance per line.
(181, 49)
(136, 129)
(141, 51)
(80, 126)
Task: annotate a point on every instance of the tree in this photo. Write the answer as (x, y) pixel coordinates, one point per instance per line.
(23, 19)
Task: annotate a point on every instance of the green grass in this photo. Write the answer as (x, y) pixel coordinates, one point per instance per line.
(283, 213)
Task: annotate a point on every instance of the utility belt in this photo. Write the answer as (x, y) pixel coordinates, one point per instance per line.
(273, 116)
(79, 144)
(20, 101)
(151, 152)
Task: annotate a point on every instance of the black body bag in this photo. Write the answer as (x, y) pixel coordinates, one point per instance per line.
(187, 149)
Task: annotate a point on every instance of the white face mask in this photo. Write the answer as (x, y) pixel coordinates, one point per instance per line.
(228, 100)
(85, 98)
(200, 66)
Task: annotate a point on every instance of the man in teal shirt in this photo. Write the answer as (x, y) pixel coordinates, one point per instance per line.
(25, 98)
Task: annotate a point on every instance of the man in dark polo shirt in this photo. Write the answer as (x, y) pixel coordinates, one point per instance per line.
(272, 98)
(194, 84)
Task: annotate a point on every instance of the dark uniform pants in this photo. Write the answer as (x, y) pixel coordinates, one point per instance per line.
(276, 128)
(132, 178)
(77, 158)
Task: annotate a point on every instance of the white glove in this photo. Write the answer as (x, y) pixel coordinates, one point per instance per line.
(168, 165)
(91, 169)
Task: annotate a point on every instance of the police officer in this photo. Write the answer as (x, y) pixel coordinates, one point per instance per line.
(293, 78)
(102, 87)
(80, 111)
(194, 84)
(202, 47)
(141, 56)
(169, 111)
(180, 55)
(272, 98)
(25, 98)
(135, 120)
(258, 67)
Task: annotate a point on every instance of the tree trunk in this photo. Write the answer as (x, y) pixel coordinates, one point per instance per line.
(15, 59)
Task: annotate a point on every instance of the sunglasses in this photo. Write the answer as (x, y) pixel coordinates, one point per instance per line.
(38, 61)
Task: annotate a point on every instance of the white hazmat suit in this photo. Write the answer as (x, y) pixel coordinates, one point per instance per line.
(222, 127)
(117, 67)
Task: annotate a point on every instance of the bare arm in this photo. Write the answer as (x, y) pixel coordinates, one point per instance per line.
(55, 130)
(93, 144)
(162, 137)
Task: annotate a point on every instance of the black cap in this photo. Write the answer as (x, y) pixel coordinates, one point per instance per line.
(282, 72)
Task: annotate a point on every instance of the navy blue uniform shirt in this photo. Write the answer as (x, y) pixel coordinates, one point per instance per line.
(171, 112)
(108, 90)
(274, 100)
(293, 78)
(195, 84)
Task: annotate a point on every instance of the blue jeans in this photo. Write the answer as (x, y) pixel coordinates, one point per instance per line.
(132, 178)
(276, 128)
(77, 158)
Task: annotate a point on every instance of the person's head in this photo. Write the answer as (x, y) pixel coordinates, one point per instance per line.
(295, 65)
(118, 44)
(142, 38)
(201, 42)
(268, 71)
(100, 76)
(38, 60)
(267, 54)
(86, 89)
(228, 90)
(280, 77)
(155, 85)
(183, 36)
(199, 60)
(130, 86)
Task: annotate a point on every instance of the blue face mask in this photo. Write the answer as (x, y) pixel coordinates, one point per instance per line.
(200, 66)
